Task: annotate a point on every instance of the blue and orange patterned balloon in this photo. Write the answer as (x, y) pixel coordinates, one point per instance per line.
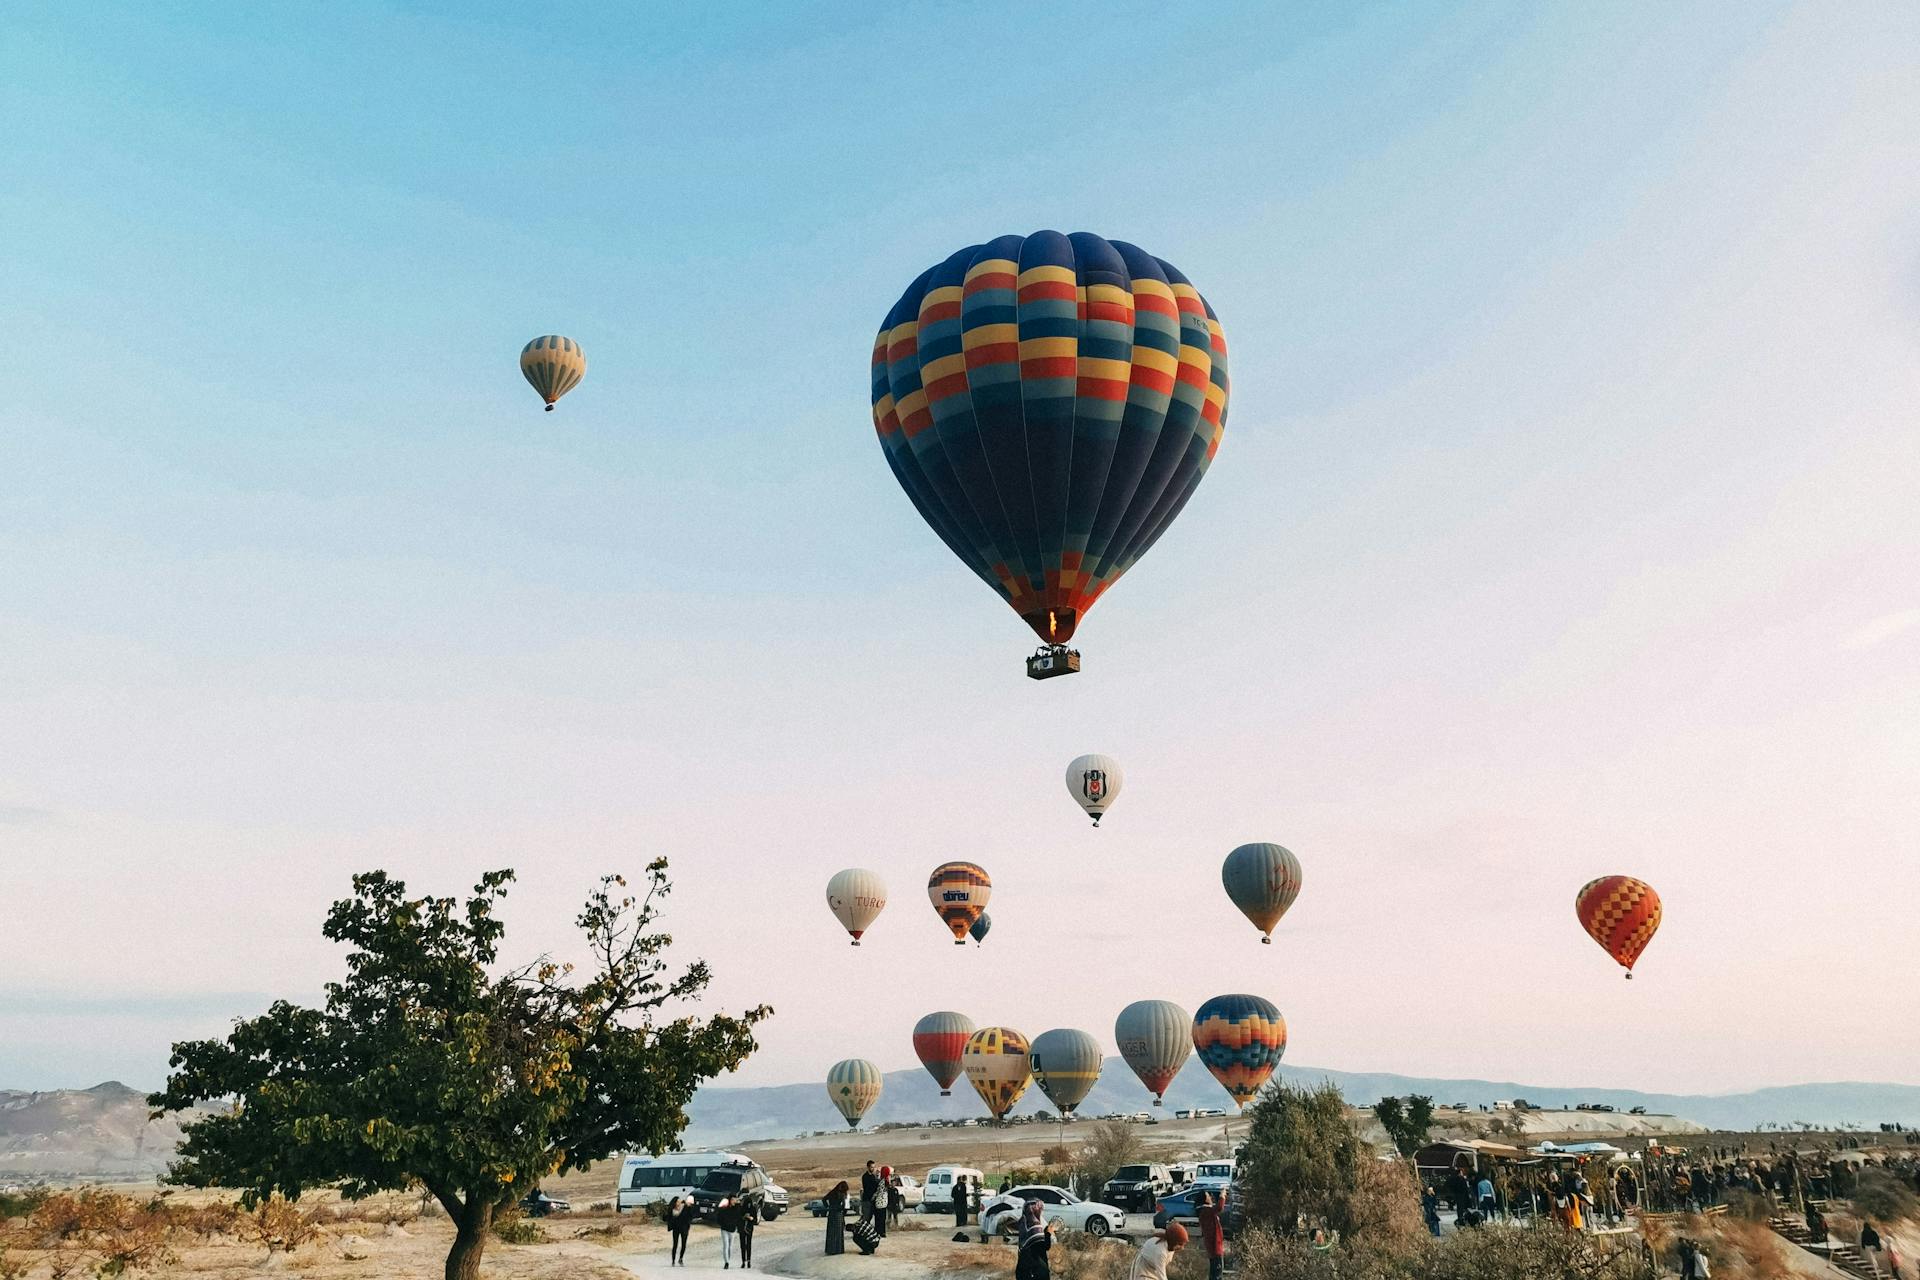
(1049, 403)
(1241, 1040)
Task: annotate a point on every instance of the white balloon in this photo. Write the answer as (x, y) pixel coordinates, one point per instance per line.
(1094, 781)
(856, 896)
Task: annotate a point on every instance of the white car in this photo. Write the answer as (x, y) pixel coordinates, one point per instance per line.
(1001, 1215)
(1213, 1175)
(912, 1194)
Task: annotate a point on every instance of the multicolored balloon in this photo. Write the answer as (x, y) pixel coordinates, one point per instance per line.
(1262, 880)
(1094, 782)
(1049, 403)
(854, 1085)
(996, 1064)
(1240, 1039)
(1066, 1065)
(1153, 1038)
(553, 365)
(959, 892)
(1621, 914)
(978, 929)
(939, 1039)
(856, 896)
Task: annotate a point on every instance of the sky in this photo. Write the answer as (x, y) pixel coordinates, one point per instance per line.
(1564, 525)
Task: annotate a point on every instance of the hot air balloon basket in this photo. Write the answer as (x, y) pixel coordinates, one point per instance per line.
(1053, 660)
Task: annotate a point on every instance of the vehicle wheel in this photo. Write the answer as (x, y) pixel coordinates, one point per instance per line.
(768, 1213)
(1096, 1226)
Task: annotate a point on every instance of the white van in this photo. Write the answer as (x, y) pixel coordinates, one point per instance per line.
(645, 1179)
(1213, 1175)
(937, 1195)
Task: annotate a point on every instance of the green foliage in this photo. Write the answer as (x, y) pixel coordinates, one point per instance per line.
(511, 1228)
(1303, 1165)
(423, 1066)
(18, 1204)
(1491, 1253)
(1406, 1121)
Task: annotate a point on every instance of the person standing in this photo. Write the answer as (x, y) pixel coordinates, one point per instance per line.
(1212, 1237)
(1036, 1239)
(869, 1183)
(749, 1219)
(1484, 1190)
(959, 1199)
(1430, 1207)
(679, 1219)
(837, 1219)
(896, 1199)
(726, 1216)
(1156, 1251)
(882, 1197)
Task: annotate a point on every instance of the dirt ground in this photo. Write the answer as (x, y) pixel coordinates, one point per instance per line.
(579, 1248)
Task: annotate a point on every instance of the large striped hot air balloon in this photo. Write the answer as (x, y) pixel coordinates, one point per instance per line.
(1066, 1064)
(856, 896)
(1240, 1039)
(996, 1064)
(938, 1040)
(1262, 880)
(853, 1085)
(1049, 403)
(1094, 781)
(1154, 1038)
(1621, 914)
(959, 892)
(553, 365)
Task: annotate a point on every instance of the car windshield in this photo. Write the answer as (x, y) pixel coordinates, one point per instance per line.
(722, 1180)
(1132, 1173)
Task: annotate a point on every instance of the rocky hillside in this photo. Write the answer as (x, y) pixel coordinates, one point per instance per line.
(102, 1132)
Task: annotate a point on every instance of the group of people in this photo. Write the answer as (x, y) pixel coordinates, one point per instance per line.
(736, 1216)
(1563, 1194)
(878, 1208)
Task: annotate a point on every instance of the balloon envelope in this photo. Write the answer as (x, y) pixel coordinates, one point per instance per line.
(959, 892)
(856, 896)
(853, 1085)
(553, 366)
(1049, 403)
(978, 929)
(939, 1039)
(1094, 781)
(1262, 880)
(1621, 914)
(1153, 1037)
(1240, 1039)
(995, 1061)
(1066, 1065)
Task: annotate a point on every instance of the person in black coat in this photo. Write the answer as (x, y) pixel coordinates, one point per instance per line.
(727, 1217)
(837, 1219)
(749, 1219)
(960, 1201)
(679, 1218)
(869, 1183)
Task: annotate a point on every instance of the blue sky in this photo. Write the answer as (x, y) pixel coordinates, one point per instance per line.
(1563, 524)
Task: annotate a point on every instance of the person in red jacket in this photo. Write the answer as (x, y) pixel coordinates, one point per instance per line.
(1212, 1238)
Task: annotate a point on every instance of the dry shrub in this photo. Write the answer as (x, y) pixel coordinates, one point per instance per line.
(510, 1227)
(1078, 1256)
(1749, 1251)
(281, 1225)
(98, 1232)
(1748, 1206)
(1881, 1197)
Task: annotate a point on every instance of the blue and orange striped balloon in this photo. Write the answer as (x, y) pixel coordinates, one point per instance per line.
(1241, 1040)
(1049, 403)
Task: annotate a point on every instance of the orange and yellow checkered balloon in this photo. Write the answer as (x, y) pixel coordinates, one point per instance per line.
(1621, 914)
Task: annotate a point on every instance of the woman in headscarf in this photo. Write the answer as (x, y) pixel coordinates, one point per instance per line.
(837, 1218)
(1036, 1238)
(883, 1197)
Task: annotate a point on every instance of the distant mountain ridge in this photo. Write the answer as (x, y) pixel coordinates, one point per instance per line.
(104, 1132)
(726, 1115)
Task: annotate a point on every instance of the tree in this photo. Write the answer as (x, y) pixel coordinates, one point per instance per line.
(1406, 1121)
(1303, 1160)
(425, 1068)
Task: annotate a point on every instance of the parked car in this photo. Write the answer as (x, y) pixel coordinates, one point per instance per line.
(912, 1194)
(1209, 1112)
(647, 1179)
(1001, 1214)
(937, 1195)
(1182, 1206)
(1180, 1175)
(540, 1204)
(1185, 1113)
(1137, 1187)
(743, 1179)
(1213, 1175)
(1638, 1111)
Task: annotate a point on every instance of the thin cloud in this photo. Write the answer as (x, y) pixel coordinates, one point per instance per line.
(1881, 630)
(18, 815)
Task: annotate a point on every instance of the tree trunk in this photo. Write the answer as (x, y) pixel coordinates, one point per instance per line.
(469, 1238)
